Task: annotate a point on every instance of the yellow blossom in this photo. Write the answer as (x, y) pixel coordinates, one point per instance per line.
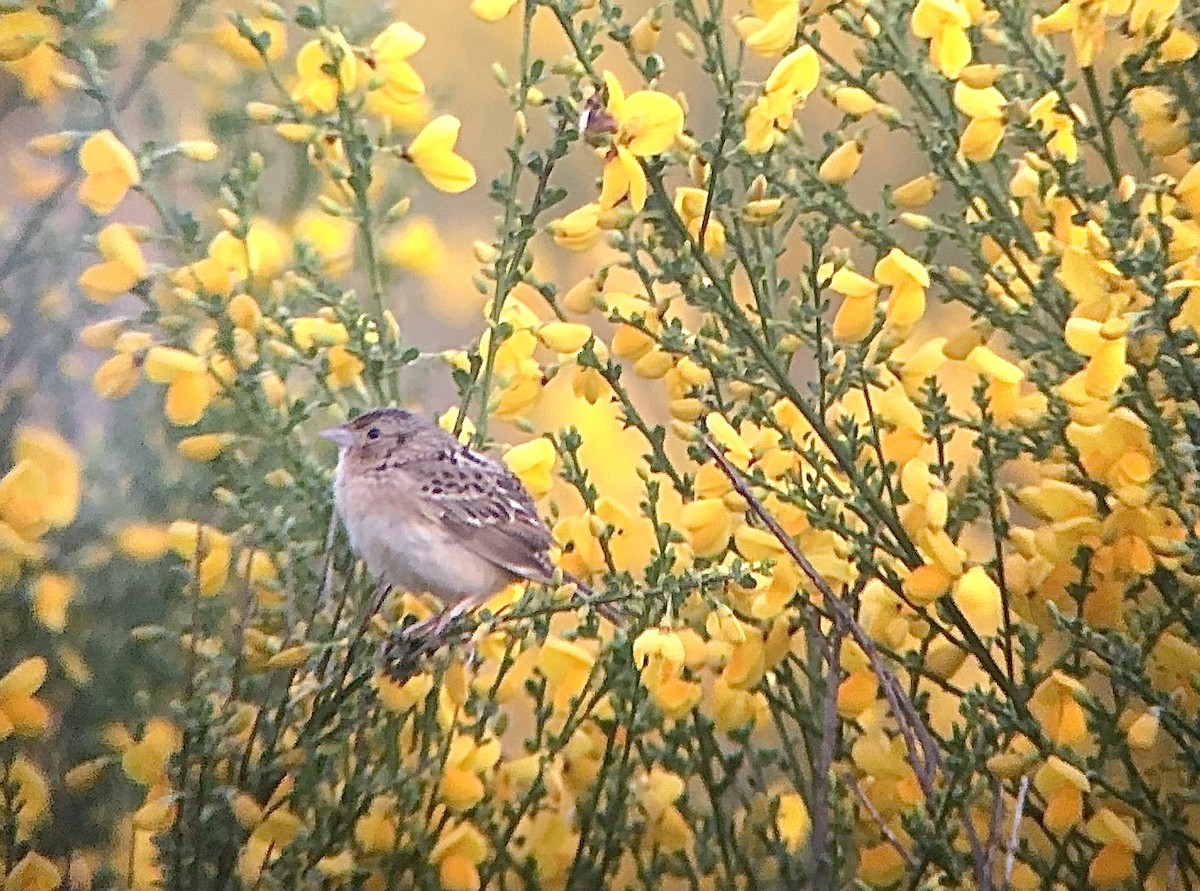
(492, 10)
(123, 266)
(461, 786)
(1059, 126)
(33, 873)
(647, 123)
(944, 24)
(432, 151)
(658, 643)
(792, 821)
(20, 712)
(336, 866)
(416, 247)
(316, 89)
(979, 599)
(916, 192)
(331, 239)
(790, 83)
(145, 761)
(21, 32)
(771, 28)
(398, 90)
(345, 368)
(533, 463)
(842, 163)
(985, 107)
(60, 467)
(228, 38)
(707, 523)
(579, 230)
(52, 594)
(109, 171)
(908, 280)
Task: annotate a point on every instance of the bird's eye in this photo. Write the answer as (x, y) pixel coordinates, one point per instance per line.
(373, 433)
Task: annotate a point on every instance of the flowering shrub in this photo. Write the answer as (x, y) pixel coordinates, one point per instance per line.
(848, 348)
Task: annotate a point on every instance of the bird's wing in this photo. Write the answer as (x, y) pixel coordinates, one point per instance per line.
(482, 503)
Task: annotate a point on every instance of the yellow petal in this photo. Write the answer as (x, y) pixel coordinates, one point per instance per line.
(432, 150)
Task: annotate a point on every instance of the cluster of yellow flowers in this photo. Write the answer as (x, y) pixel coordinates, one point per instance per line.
(895, 487)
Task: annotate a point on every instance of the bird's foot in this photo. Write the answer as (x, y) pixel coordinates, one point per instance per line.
(401, 653)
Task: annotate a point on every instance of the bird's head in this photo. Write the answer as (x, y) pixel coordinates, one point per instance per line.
(377, 432)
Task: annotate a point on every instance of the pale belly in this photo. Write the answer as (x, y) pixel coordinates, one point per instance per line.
(418, 555)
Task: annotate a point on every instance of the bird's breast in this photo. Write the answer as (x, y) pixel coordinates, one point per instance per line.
(405, 548)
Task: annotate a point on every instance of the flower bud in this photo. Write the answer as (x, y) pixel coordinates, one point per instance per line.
(643, 37)
(842, 162)
(198, 149)
(916, 192)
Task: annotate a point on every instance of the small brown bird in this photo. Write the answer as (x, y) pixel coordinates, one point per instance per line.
(427, 513)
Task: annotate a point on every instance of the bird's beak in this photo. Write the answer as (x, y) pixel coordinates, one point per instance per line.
(341, 436)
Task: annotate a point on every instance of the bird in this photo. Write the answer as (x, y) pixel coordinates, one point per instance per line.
(427, 513)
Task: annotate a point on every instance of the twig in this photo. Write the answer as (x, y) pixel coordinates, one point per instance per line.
(822, 867)
(889, 836)
(1010, 858)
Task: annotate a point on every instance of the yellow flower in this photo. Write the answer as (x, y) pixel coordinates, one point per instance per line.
(21, 32)
(854, 101)
(311, 332)
(655, 644)
(20, 711)
(492, 10)
(579, 230)
(533, 463)
(228, 38)
(916, 192)
(771, 28)
(205, 447)
(1057, 709)
(400, 91)
(854, 318)
(1059, 125)
(646, 123)
(417, 247)
(461, 786)
(689, 205)
(1084, 20)
(564, 337)
(109, 171)
(187, 398)
(143, 541)
(145, 761)
(345, 368)
(123, 266)
(336, 866)
(432, 151)
(60, 465)
(28, 52)
(459, 851)
(33, 873)
(908, 280)
(842, 163)
(792, 821)
(707, 523)
(985, 108)
(52, 594)
(979, 599)
(316, 89)
(116, 376)
(375, 831)
(791, 81)
(331, 239)
(944, 23)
